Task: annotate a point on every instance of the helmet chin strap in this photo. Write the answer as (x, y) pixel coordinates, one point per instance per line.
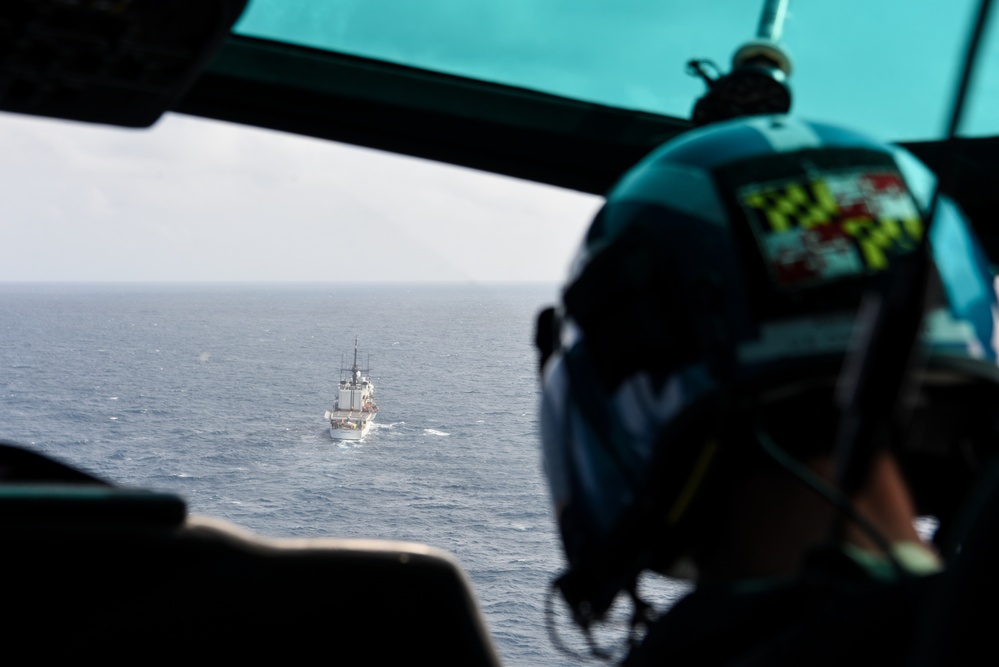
(641, 619)
(583, 620)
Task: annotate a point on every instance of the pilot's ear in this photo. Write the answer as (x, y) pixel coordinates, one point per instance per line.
(546, 335)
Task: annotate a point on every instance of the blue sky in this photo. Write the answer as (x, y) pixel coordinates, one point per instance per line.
(196, 200)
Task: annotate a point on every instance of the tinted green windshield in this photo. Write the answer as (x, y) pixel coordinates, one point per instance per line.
(885, 66)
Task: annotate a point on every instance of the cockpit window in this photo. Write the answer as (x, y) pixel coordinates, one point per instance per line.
(887, 66)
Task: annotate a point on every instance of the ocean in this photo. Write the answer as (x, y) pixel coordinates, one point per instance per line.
(217, 393)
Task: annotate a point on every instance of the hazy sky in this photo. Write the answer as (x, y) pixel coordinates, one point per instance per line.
(199, 200)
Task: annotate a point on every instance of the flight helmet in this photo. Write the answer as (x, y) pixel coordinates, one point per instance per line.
(727, 267)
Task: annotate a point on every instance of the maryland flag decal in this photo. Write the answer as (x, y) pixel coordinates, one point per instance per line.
(832, 226)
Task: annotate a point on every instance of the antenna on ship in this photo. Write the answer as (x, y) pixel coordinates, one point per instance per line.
(757, 83)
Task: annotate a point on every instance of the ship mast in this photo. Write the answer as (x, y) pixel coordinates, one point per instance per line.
(354, 369)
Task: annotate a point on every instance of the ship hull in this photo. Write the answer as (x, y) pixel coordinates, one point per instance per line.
(353, 429)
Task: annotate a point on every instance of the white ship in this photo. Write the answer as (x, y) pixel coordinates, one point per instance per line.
(354, 408)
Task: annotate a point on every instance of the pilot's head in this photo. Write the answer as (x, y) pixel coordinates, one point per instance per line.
(711, 307)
